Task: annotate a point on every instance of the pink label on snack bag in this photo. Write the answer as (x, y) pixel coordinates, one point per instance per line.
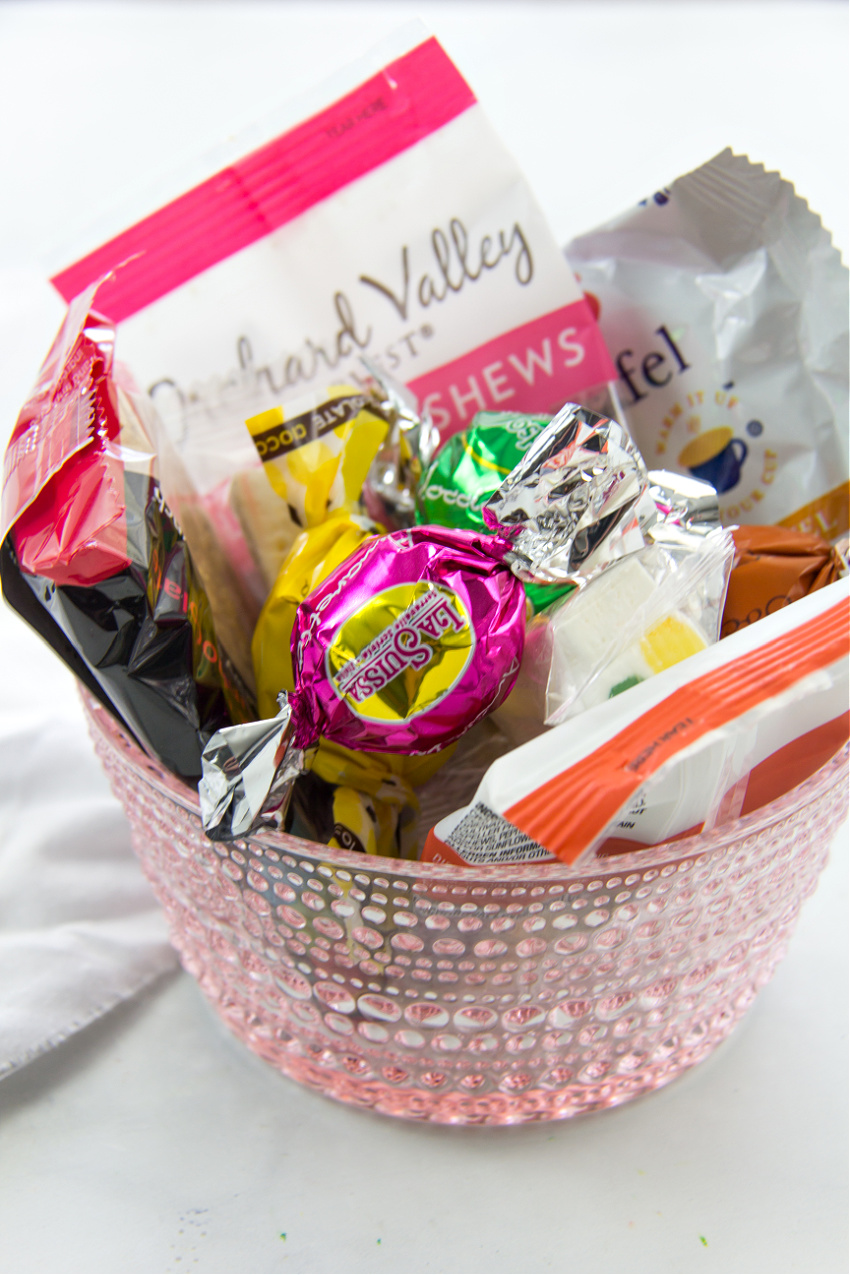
(533, 368)
(274, 184)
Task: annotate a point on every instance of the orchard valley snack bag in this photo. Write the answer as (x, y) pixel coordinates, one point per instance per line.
(393, 224)
(724, 305)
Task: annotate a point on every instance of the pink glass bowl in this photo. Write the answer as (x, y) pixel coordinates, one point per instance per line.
(477, 996)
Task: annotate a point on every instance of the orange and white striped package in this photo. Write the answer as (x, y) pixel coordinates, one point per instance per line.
(713, 738)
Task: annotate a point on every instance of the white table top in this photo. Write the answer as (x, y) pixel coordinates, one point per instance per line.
(151, 1140)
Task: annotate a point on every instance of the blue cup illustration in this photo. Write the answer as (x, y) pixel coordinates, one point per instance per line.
(715, 457)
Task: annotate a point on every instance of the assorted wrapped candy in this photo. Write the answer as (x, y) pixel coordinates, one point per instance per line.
(374, 813)
(384, 589)
(317, 451)
(312, 557)
(419, 634)
(375, 650)
(472, 465)
(571, 506)
(643, 615)
(394, 478)
(400, 650)
(350, 448)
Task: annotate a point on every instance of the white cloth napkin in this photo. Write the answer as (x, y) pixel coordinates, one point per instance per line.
(80, 930)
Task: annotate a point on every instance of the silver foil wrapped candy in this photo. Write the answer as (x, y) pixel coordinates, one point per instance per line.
(248, 773)
(389, 492)
(677, 510)
(570, 507)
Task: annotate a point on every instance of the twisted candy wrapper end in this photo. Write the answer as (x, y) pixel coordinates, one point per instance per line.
(248, 773)
(569, 507)
(407, 451)
(678, 510)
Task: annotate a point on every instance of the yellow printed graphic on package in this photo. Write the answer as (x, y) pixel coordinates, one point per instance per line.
(401, 653)
(828, 516)
(315, 554)
(317, 451)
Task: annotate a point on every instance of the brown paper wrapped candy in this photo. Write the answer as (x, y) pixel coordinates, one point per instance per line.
(773, 567)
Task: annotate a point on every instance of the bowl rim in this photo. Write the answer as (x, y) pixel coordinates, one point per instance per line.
(104, 726)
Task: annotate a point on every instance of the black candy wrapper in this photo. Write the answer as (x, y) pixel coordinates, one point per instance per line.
(142, 641)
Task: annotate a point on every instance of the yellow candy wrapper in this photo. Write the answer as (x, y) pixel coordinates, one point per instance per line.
(317, 450)
(339, 815)
(313, 556)
(368, 771)
(362, 801)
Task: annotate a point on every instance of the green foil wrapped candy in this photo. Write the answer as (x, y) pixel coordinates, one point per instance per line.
(470, 467)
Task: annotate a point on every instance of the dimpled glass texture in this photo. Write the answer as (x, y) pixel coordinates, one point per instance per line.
(477, 996)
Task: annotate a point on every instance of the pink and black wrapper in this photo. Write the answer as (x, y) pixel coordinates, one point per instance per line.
(92, 559)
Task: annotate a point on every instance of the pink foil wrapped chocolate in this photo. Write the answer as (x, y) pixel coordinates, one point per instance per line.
(400, 650)
(408, 643)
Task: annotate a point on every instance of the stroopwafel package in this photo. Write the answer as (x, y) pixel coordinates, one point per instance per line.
(724, 304)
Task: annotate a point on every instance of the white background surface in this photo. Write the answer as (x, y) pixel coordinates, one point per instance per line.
(151, 1141)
